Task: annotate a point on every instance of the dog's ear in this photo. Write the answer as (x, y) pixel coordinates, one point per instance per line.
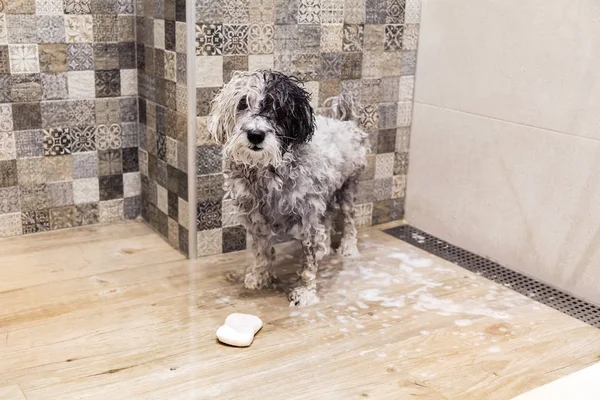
(218, 118)
(221, 119)
(292, 105)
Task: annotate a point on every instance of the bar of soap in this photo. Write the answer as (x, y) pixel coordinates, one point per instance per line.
(239, 329)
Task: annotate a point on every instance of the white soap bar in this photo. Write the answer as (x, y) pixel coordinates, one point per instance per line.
(239, 329)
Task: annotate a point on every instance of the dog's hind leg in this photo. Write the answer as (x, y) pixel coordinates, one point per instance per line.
(258, 274)
(328, 225)
(313, 249)
(345, 197)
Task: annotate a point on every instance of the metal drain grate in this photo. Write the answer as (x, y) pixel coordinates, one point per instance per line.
(561, 301)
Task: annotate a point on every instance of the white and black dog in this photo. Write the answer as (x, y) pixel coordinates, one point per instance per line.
(285, 170)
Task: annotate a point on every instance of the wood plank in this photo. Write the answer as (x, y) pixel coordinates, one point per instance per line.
(87, 251)
(11, 393)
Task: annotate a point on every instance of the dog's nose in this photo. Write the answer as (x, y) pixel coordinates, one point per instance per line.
(255, 136)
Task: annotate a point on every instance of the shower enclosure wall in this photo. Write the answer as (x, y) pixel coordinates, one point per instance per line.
(68, 114)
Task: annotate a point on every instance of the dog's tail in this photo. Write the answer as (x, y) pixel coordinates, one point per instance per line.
(343, 107)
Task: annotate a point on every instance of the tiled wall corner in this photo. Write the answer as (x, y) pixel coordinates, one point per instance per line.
(68, 114)
(163, 128)
(366, 48)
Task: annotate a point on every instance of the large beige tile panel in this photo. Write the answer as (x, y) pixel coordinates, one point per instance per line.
(534, 62)
(525, 197)
(581, 385)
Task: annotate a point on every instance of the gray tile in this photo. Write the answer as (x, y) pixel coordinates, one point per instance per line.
(78, 6)
(234, 239)
(376, 11)
(62, 217)
(353, 38)
(108, 83)
(59, 194)
(26, 116)
(128, 108)
(85, 165)
(371, 91)
(110, 162)
(388, 210)
(83, 139)
(235, 39)
(9, 200)
(309, 39)
(54, 87)
(401, 163)
(86, 214)
(395, 11)
(106, 57)
(210, 187)
(409, 63)
(104, 6)
(33, 197)
(131, 207)
(130, 135)
(382, 189)
(386, 141)
(390, 87)
(108, 111)
(57, 141)
(29, 143)
(209, 160)
(286, 11)
(26, 88)
(236, 11)
(50, 29)
(209, 215)
(30, 171)
(81, 112)
(21, 28)
(387, 115)
(209, 39)
(105, 28)
(309, 12)
(393, 37)
(80, 56)
(331, 67)
(365, 192)
(35, 221)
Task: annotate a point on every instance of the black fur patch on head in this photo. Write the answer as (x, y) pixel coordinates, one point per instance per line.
(287, 104)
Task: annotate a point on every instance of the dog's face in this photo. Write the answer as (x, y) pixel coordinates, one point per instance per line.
(259, 116)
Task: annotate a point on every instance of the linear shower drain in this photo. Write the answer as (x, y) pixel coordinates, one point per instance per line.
(545, 294)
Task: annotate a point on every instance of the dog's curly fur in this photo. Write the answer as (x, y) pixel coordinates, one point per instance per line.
(288, 184)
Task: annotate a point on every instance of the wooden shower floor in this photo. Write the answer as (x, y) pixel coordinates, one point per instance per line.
(113, 312)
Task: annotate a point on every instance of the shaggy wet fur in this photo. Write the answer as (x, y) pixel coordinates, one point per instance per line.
(288, 184)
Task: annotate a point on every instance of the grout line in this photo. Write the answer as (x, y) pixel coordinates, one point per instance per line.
(507, 122)
(190, 21)
(22, 392)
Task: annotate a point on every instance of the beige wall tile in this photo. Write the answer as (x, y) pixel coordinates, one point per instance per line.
(525, 197)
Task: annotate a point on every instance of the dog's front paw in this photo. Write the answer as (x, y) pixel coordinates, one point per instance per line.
(302, 297)
(258, 280)
(348, 250)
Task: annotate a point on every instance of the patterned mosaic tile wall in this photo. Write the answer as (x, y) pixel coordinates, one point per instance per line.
(162, 75)
(366, 48)
(68, 114)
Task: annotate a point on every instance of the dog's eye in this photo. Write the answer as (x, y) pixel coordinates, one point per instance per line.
(243, 104)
